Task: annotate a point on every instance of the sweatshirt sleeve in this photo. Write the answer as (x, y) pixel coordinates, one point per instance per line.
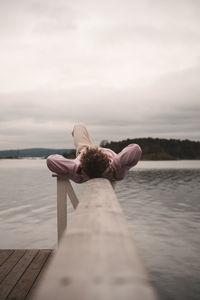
(60, 165)
(126, 159)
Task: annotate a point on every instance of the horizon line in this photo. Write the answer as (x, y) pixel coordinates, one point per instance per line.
(51, 148)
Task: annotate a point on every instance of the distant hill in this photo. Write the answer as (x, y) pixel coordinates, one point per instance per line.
(159, 149)
(35, 152)
(152, 149)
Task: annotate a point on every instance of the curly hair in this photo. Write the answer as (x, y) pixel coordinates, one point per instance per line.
(94, 162)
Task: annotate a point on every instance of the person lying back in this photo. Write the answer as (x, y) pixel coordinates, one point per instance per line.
(92, 161)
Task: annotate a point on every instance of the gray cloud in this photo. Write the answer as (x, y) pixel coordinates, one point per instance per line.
(168, 108)
(126, 69)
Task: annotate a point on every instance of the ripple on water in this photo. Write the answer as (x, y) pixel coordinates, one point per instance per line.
(161, 205)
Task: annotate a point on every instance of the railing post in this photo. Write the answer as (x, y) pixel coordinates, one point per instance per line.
(61, 206)
(64, 188)
(71, 194)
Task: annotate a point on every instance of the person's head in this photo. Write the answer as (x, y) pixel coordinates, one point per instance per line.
(94, 162)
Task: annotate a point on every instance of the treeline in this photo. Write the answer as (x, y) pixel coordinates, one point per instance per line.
(152, 149)
(159, 149)
(34, 152)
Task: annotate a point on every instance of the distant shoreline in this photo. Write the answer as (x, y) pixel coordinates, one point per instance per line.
(143, 159)
(153, 149)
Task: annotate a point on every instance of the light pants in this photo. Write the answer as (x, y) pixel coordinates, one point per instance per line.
(81, 137)
(82, 140)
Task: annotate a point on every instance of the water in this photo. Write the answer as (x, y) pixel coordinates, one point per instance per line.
(160, 201)
(163, 209)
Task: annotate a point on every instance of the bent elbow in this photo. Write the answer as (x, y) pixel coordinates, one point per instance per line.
(136, 154)
(139, 151)
(49, 162)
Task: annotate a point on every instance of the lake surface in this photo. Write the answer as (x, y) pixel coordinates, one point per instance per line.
(161, 201)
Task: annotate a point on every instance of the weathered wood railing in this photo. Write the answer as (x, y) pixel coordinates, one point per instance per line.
(64, 189)
(96, 257)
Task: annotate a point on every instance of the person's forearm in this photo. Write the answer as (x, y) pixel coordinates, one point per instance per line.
(58, 164)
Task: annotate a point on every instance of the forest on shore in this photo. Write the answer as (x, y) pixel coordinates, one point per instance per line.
(152, 149)
(159, 149)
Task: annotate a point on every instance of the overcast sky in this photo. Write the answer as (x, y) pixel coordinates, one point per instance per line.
(124, 68)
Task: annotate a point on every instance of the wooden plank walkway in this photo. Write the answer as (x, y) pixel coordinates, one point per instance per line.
(19, 271)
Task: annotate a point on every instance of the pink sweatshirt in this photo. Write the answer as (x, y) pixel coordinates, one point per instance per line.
(120, 164)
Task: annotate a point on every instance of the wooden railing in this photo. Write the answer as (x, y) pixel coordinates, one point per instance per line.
(96, 257)
(64, 189)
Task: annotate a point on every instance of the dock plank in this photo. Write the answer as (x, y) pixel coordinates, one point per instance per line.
(25, 283)
(20, 271)
(10, 263)
(15, 274)
(4, 254)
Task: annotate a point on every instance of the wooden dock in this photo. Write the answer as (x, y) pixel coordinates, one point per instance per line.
(20, 270)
